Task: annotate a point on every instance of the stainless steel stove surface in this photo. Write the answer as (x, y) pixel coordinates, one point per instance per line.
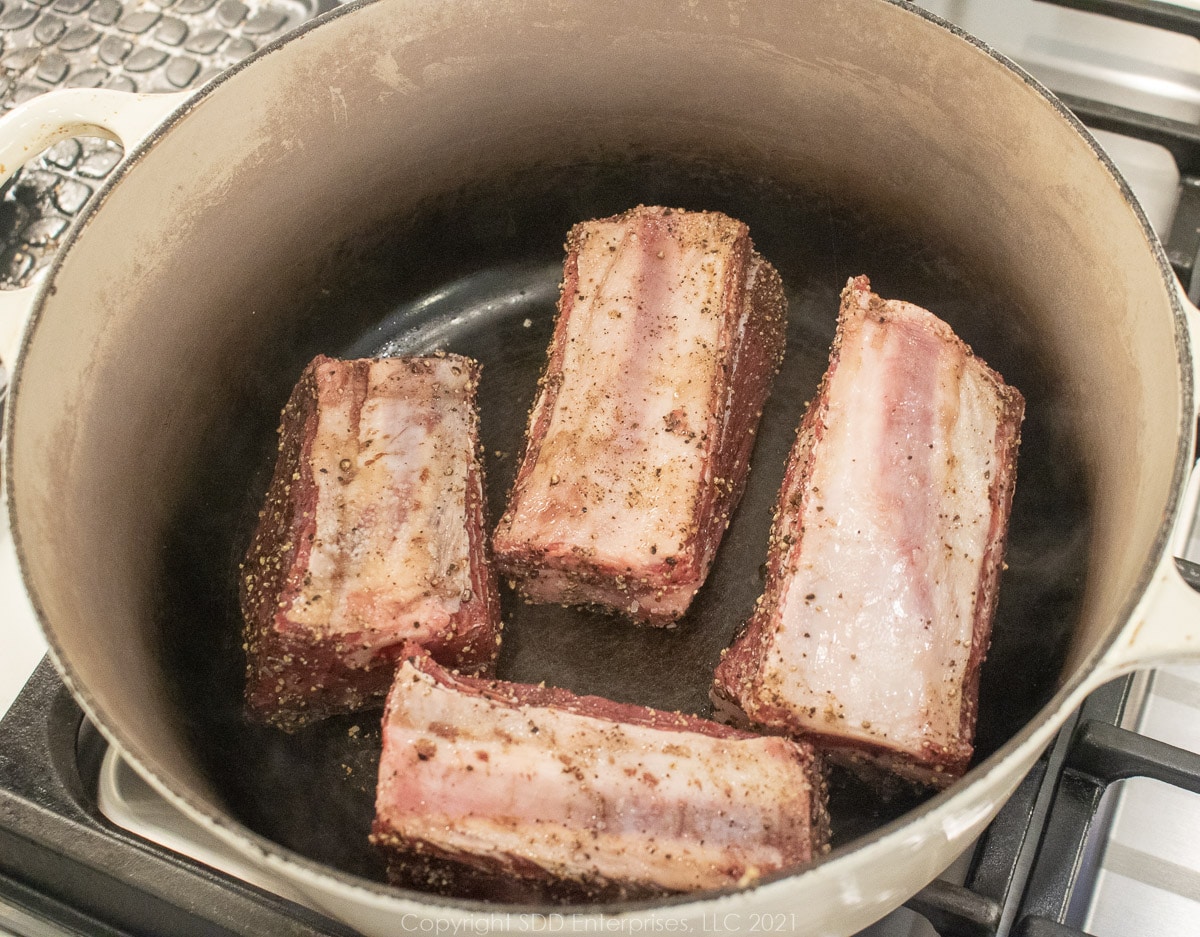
(1094, 838)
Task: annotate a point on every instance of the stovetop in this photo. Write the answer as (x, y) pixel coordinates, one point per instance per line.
(1104, 833)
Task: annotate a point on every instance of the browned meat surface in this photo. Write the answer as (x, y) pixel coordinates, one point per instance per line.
(670, 330)
(886, 551)
(523, 792)
(371, 536)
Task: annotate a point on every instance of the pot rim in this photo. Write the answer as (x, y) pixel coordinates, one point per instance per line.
(1048, 719)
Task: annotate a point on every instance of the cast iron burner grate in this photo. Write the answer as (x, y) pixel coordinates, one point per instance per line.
(1029, 864)
(1179, 138)
(65, 870)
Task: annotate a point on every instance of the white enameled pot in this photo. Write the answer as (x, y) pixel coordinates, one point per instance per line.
(181, 268)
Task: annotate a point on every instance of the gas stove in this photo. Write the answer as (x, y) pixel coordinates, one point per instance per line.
(1101, 837)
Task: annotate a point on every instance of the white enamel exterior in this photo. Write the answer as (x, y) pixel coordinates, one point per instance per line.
(411, 83)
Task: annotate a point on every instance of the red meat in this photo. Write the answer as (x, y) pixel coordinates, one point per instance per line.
(371, 536)
(886, 551)
(669, 334)
(525, 792)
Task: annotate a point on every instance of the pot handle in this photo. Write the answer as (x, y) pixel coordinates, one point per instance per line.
(40, 122)
(1166, 625)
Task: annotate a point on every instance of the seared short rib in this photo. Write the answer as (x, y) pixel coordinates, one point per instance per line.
(521, 792)
(371, 536)
(886, 551)
(670, 331)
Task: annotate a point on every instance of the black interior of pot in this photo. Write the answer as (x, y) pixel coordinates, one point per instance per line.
(476, 272)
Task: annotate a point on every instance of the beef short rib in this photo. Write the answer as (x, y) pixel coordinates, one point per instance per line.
(371, 536)
(670, 331)
(886, 551)
(518, 792)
